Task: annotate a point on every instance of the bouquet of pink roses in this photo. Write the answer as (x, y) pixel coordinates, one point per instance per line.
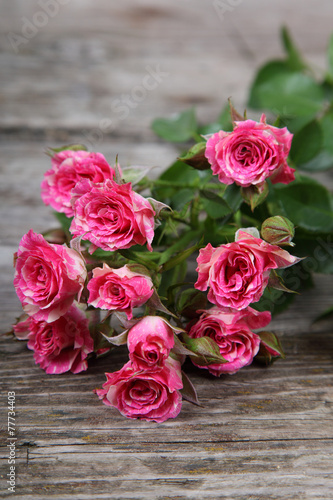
(116, 272)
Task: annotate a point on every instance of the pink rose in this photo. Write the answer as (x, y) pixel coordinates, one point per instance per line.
(119, 289)
(48, 277)
(232, 332)
(60, 346)
(68, 168)
(251, 153)
(149, 343)
(237, 273)
(111, 216)
(151, 396)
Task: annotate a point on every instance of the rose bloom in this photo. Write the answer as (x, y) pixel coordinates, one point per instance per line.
(111, 216)
(119, 289)
(232, 332)
(68, 168)
(237, 273)
(48, 277)
(146, 395)
(60, 346)
(251, 153)
(149, 343)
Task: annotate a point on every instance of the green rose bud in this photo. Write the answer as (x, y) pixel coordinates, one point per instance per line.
(278, 230)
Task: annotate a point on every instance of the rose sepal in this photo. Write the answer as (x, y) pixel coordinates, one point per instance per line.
(204, 350)
(188, 391)
(195, 157)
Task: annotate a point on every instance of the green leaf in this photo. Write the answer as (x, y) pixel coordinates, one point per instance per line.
(330, 58)
(181, 243)
(64, 221)
(181, 198)
(306, 143)
(215, 206)
(295, 60)
(181, 173)
(179, 128)
(324, 159)
(265, 74)
(306, 202)
(287, 93)
(205, 350)
(233, 197)
(179, 257)
(190, 301)
(171, 277)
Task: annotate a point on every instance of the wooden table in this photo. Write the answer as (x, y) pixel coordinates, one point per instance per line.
(264, 433)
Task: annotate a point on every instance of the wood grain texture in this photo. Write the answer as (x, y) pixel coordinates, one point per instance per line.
(263, 433)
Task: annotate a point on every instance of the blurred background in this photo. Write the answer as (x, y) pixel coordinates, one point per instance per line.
(99, 71)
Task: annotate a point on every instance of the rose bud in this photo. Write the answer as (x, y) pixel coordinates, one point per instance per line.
(278, 230)
(149, 343)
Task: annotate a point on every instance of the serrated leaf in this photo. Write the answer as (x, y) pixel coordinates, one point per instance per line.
(306, 143)
(306, 202)
(214, 205)
(287, 92)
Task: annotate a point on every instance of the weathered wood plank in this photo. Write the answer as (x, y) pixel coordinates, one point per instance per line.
(264, 433)
(211, 471)
(73, 69)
